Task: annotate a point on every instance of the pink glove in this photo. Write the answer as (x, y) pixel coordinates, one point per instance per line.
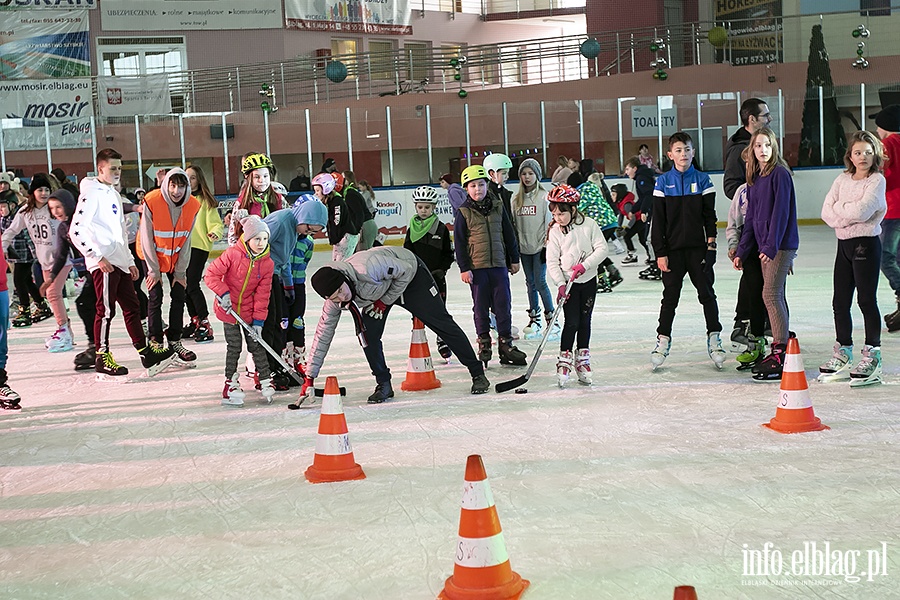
(561, 296)
(578, 270)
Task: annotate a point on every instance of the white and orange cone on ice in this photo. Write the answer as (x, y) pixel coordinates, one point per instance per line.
(685, 592)
(419, 368)
(333, 460)
(482, 570)
(795, 411)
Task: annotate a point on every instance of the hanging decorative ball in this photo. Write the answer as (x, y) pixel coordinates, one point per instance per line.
(336, 71)
(663, 76)
(457, 77)
(856, 33)
(590, 48)
(654, 47)
(655, 75)
(454, 62)
(860, 51)
(717, 36)
(265, 106)
(463, 93)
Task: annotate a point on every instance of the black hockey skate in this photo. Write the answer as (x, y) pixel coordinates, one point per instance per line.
(480, 384)
(484, 349)
(40, 312)
(106, 365)
(443, 349)
(183, 356)
(382, 392)
(651, 273)
(188, 330)
(771, 367)
(87, 359)
(509, 354)
(892, 321)
(603, 286)
(614, 276)
(155, 357)
(203, 333)
(23, 320)
(9, 400)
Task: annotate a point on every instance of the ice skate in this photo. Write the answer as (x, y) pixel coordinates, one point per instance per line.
(651, 273)
(382, 392)
(509, 354)
(480, 384)
(266, 389)
(740, 337)
(9, 399)
(771, 367)
(715, 350)
(155, 357)
(754, 353)
(618, 246)
(108, 369)
(630, 259)
(554, 333)
(534, 330)
(183, 356)
(61, 341)
(837, 368)
(23, 320)
(188, 330)
(203, 333)
(615, 276)
(232, 394)
(564, 368)
(444, 350)
(87, 359)
(583, 366)
(659, 354)
(40, 312)
(603, 286)
(892, 320)
(484, 349)
(868, 370)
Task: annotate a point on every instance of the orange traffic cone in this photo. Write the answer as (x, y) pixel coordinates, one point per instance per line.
(333, 460)
(482, 570)
(685, 592)
(419, 368)
(795, 411)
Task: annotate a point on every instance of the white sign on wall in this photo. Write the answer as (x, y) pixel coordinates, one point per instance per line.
(178, 15)
(127, 96)
(645, 121)
(27, 105)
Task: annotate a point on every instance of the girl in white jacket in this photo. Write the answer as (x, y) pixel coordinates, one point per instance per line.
(575, 249)
(854, 208)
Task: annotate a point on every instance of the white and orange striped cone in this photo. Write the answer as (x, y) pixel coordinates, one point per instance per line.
(333, 460)
(482, 570)
(795, 411)
(419, 368)
(685, 592)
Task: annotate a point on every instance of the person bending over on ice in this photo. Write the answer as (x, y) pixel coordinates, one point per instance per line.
(368, 284)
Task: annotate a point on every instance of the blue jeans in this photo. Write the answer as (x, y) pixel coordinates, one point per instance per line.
(4, 325)
(890, 240)
(536, 282)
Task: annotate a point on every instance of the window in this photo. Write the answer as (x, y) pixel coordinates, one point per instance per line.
(349, 50)
(381, 59)
(134, 57)
(415, 59)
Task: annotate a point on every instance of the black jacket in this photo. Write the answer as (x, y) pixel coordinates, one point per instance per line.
(735, 167)
(644, 182)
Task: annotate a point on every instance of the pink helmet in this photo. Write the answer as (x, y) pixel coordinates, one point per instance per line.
(326, 181)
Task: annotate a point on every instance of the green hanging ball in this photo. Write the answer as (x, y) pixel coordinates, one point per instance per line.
(454, 62)
(590, 48)
(717, 36)
(265, 86)
(264, 105)
(654, 48)
(336, 71)
(856, 33)
(663, 76)
(457, 77)
(463, 93)
(860, 51)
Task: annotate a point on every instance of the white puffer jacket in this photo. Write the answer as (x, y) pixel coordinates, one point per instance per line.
(564, 249)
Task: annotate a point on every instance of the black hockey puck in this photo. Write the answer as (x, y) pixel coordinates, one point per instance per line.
(521, 391)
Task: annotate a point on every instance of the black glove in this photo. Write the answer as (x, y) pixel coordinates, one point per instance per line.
(709, 260)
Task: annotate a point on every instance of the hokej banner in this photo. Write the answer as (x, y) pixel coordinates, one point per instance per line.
(351, 16)
(37, 44)
(31, 107)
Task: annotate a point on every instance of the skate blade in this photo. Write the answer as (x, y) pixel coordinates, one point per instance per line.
(106, 378)
(745, 366)
(759, 378)
(184, 364)
(232, 404)
(865, 382)
(158, 368)
(84, 367)
(10, 406)
(586, 383)
(833, 377)
(58, 350)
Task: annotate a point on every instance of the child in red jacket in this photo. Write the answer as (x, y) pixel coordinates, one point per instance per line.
(242, 281)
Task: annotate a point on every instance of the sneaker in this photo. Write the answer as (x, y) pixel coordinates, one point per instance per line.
(583, 366)
(564, 367)
(107, 365)
(837, 368)
(266, 389)
(232, 394)
(630, 259)
(182, 354)
(382, 392)
(480, 384)
(659, 354)
(715, 350)
(868, 370)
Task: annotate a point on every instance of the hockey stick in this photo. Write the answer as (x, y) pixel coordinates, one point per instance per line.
(505, 386)
(290, 370)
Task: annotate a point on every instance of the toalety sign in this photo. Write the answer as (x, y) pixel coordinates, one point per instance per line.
(645, 121)
(29, 105)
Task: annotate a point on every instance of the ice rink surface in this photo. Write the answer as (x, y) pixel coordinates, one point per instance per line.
(645, 481)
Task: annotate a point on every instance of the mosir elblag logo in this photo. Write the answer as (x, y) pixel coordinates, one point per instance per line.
(812, 563)
(114, 96)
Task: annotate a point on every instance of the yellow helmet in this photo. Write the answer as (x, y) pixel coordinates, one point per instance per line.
(472, 173)
(256, 161)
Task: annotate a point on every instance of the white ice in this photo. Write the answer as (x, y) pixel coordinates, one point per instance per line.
(626, 489)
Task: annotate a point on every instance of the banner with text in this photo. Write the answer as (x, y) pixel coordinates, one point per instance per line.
(27, 105)
(127, 96)
(45, 4)
(754, 31)
(44, 44)
(176, 15)
(350, 16)
(645, 121)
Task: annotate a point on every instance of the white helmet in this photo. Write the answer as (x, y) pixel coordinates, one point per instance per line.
(279, 188)
(424, 193)
(496, 161)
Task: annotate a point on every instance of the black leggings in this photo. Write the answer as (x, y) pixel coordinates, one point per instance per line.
(857, 266)
(25, 286)
(195, 300)
(577, 310)
(137, 283)
(639, 229)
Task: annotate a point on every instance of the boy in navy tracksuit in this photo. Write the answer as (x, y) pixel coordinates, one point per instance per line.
(684, 240)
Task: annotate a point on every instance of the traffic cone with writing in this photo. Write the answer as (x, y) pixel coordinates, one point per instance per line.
(419, 368)
(685, 592)
(795, 411)
(333, 460)
(482, 570)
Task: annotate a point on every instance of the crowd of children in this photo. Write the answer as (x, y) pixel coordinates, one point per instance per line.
(561, 233)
